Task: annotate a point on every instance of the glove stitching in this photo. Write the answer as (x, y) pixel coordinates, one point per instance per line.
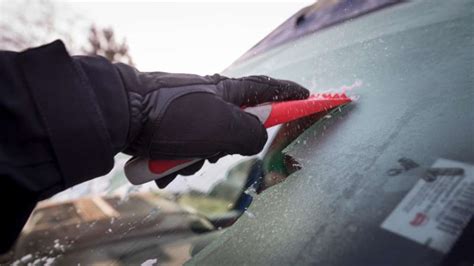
(131, 134)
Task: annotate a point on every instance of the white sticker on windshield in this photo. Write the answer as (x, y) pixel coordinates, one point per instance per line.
(438, 207)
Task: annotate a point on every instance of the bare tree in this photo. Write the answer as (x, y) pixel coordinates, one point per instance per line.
(103, 42)
(29, 23)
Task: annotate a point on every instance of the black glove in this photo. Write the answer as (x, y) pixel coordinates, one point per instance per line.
(182, 116)
(64, 118)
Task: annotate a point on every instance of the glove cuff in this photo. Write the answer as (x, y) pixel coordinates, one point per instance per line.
(76, 123)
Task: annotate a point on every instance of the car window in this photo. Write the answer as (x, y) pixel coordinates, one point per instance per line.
(412, 64)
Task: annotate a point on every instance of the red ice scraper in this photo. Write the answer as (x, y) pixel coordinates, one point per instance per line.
(140, 170)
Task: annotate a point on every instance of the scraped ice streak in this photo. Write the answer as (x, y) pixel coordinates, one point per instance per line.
(356, 84)
(346, 88)
(249, 214)
(149, 262)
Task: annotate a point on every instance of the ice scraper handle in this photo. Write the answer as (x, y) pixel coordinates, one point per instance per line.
(140, 170)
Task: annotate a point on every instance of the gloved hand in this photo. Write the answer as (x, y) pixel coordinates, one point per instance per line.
(182, 116)
(66, 117)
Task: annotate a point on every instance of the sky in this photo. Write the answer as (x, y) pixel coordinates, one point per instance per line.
(187, 37)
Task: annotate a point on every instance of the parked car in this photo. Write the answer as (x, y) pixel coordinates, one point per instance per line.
(108, 230)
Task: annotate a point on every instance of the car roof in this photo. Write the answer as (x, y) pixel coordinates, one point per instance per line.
(411, 65)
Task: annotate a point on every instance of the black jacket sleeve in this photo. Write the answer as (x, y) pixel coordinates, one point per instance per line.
(62, 120)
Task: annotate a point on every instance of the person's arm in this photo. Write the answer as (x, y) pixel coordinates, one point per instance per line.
(64, 118)
(58, 127)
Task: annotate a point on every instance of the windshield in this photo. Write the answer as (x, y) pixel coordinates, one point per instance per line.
(364, 194)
